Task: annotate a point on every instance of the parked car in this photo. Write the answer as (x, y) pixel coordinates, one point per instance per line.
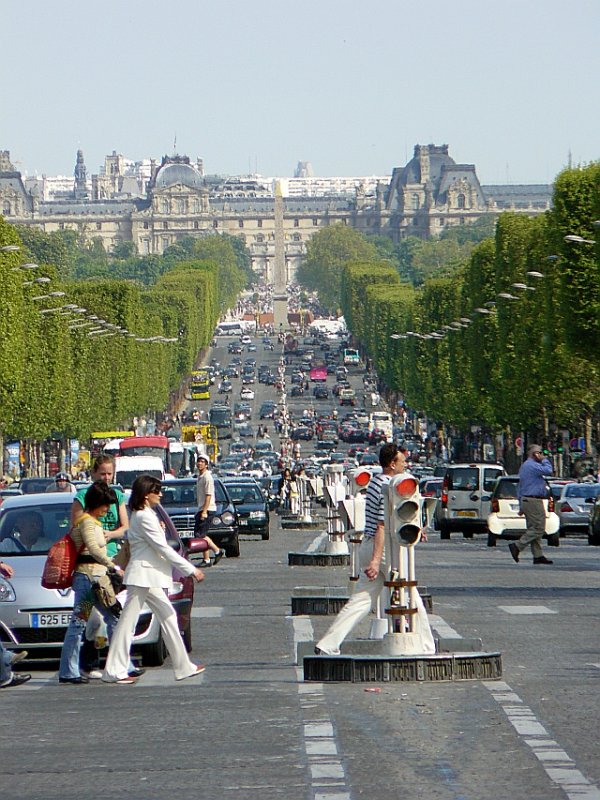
(504, 521)
(35, 618)
(179, 501)
(466, 497)
(574, 506)
(250, 504)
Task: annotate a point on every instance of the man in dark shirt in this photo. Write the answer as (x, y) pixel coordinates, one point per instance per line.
(533, 490)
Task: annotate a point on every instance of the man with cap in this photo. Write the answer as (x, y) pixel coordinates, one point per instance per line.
(207, 507)
(533, 490)
(62, 483)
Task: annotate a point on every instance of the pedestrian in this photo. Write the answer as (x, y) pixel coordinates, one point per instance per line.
(533, 490)
(92, 565)
(374, 566)
(148, 575)
(207, 507)
(8, 678)
(61, 483)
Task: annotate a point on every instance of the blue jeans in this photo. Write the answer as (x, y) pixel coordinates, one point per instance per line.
(5, 667)
(83, 603)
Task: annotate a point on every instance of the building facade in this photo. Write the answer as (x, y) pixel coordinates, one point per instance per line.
(156, 207)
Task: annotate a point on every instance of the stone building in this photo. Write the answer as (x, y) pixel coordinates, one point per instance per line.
(421, 199)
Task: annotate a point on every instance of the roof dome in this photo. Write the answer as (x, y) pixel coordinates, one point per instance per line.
(171, 174)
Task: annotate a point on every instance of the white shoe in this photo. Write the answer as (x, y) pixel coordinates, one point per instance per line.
(93, 674)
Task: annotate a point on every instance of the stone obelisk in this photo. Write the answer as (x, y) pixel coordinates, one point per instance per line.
(280, 304)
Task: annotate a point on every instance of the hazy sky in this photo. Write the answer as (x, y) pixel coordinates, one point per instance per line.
(350, 85)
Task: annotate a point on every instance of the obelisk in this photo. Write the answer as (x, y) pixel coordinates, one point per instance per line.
(280, 301)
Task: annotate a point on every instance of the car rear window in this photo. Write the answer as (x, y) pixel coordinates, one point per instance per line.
(506, 490)
(463, 479)
(489, 478)
(583, 490)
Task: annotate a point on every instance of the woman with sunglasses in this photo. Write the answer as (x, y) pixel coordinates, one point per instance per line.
(147, 575)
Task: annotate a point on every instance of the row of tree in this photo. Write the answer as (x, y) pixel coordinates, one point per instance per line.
(531, 362)
(60, 380)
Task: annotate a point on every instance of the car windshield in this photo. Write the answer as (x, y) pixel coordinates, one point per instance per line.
(585, 490)
(32, 530)
(179, 495)
(245, 493)
(127, 477)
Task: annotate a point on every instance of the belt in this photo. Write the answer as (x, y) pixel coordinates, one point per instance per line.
(534, 496)
(87, 560)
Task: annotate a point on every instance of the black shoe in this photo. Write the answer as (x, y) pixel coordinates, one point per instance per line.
(319, 652)
(81, 679)
(136, 673)
(514, 551)
(16, 680)
(542, 560)
(218, 557)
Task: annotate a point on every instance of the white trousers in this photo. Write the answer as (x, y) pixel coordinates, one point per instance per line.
(117, 661)
(364, 600)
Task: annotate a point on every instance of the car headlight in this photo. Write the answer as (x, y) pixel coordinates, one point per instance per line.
(7, 593)
(227, 518)
(257, 515)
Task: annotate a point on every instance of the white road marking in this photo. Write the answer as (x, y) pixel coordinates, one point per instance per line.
(328, 777)
(527, 610)
(207, 611)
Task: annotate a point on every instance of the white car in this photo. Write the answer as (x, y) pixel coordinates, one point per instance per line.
(504, 522)
(247, 393)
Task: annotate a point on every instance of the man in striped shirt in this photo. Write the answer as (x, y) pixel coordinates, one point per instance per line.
(373, 564)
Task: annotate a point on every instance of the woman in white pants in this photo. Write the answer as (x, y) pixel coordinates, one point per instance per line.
(147, 577)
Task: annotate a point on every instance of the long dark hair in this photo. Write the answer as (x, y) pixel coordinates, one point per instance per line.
(142, 486)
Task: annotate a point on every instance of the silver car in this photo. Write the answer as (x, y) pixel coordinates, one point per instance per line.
(35, 618)
(575, 505)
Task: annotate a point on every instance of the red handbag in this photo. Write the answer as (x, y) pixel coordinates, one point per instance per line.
(60, 564)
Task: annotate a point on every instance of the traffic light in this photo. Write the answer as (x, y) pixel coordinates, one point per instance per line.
(405, 509)
(358, 480)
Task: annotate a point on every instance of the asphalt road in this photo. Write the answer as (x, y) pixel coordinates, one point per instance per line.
(250, 728)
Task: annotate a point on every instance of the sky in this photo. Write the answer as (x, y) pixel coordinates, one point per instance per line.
(258, 85)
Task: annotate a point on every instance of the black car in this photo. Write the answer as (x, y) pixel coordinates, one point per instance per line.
(268, 411)
(297, 391)
(321, 393)
(302, 432)
(179, 501)
(250, 504)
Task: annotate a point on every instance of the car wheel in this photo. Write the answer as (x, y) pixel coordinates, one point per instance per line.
(553, 540)
(491, 540)
(153, 655)
(186, 635)
(232, 550)
(444, 530)
(593, 539)
(468, 534)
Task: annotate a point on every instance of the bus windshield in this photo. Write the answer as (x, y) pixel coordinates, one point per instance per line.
(147, 446)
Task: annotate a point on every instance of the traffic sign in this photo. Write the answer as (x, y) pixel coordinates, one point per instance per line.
(519, 442)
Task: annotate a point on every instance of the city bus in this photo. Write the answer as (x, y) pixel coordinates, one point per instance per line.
(200, 385)
(229, 329)
(147, 446)
(351, 357)
(221, 417)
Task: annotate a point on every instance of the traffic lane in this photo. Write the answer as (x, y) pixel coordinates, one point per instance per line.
(542, 619)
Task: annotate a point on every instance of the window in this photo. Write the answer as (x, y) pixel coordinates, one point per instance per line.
(260, 238)
(415, 202)
(463, 479)
(315, 221)
(489, 479)
(61, 226)
(6, 208)
(240, 223)
(165, 225)
(215, 223)
(98, 226)
(461, 201)
(196, 224)
(259, 223)
(296, 223)
(146, 225)
(165, 242)
(296, 237)
(146, 246)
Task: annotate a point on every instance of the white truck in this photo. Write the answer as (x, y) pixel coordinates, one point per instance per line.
(382, 420)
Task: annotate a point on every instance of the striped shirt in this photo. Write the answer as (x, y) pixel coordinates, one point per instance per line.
(374, 508)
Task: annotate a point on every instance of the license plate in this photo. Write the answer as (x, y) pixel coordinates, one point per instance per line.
(186, 535)
(514, 506)
(466, 513)
(243, 522)
(59, 619)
